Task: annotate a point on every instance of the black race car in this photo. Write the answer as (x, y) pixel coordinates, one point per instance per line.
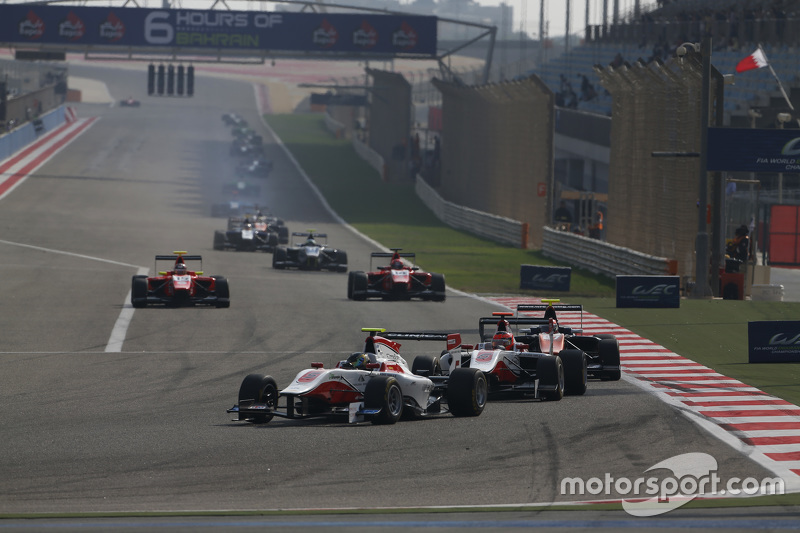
(310, 254)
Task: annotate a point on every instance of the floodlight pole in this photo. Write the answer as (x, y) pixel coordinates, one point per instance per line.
(702, 288)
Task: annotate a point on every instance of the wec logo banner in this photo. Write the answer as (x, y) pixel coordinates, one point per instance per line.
(773, 341)
(648, 291)
(545, 278)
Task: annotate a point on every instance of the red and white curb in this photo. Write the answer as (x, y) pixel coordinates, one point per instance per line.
(15, 169)
(763, 427)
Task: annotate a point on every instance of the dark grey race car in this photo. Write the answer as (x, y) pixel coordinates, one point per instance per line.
(310, 254)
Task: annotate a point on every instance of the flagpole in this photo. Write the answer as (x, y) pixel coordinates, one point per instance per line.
(780, 85)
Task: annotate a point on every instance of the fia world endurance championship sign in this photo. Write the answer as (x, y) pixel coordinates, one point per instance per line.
(648, 291)
(773, 341)
(320, 33)
(754, 150)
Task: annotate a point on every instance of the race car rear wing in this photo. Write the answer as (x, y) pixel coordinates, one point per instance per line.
(556, 307)
(453, 339)
(408, 255)
(512, 321)
(175, 257)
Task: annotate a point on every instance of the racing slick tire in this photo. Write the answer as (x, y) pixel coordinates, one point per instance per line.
(222, 291)
(273, 240)
(139, 291)
(283, 233)
(341, 261)
(359, 287)
(261, 389)
(383, 392)
(219, 240)
(279, 258)
(467, 392)
(551, 375)
(575, 372)
(437, 287)
(426, 365)
(608, 351)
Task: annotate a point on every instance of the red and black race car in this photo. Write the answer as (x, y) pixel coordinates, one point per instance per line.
(180, 286)
(396, 281)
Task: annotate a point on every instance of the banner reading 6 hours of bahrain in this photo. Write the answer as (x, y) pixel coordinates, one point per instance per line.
(332, 33)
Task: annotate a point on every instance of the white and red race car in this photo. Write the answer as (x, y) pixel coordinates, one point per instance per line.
(180, 286)
(545, 361)
(375, 384)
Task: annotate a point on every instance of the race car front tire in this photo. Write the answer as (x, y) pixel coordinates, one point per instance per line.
(222, 291)
(575, 372)
(426, 365)
(341, 261)
(437, 287)
(279, 258)
(384, 393)
(467, 392)
(550, 370)
(139, 291)
(219, 240)
(260, 389)
(359, 287)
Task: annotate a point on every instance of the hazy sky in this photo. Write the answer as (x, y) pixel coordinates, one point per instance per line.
(556, 13)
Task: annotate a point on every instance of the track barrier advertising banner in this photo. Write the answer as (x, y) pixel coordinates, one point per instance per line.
(545, 278)
(648, 291)
(773, 341)
(753, 150)
(257, 31)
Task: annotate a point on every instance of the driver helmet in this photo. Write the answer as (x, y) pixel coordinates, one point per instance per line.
(311, 242)
(358, 360)
(502, 340)
(180, 268)
(397, 264)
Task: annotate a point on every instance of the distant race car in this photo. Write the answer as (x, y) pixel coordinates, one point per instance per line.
(241, 188)
(129, 102)
(234, 120)
(546, 361)
(179, 286)
(236, 206)
(310, 254)
(256, 168)
(396, 281)
(249, 235)
(375, 384)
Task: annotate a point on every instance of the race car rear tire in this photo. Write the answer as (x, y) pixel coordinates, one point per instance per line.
(219, 240)
(608, 351)
(467, 392)
(222, 291)
(550, 370)
(575, 372)
(438, 287)
(139, 291)
(272, 240)
(360, 282)
(279, 258)
(262, 389)
(283, 233)
(426, 365)
(384, 393)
